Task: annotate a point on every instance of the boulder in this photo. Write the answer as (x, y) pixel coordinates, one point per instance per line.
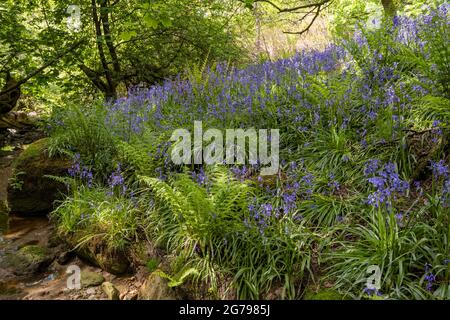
(156, 288)
(91, 279)
(30, 191)
(111, 291)
(29, 259)
(99, 255)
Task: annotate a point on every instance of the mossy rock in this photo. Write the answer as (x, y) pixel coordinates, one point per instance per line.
(91, 279)
(99, 255)
(157, 288)
(29, 259)
(8, 290)
(30, 191)
(324, 294)
(110, 290)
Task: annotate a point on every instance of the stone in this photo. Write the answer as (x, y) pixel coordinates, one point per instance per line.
(111, 291)
(29, 259)
(156, 288)
(99, 255)
(91, 279)
(30, 190)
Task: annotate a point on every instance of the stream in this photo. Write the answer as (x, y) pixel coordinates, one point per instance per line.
(34, 262)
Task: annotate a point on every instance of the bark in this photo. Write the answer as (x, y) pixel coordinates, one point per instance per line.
(108, 39)
(110, 91)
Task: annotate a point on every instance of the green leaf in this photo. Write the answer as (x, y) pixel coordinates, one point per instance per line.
(127, 35)
(249, 4)
(166, 22)
(150, 21)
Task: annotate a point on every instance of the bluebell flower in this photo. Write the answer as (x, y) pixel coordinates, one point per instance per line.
(388, 185)
(440, 169)
(372, 291)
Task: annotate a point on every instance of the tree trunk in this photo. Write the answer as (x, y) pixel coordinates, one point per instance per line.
(110, 90)
(258, 27)
(108, 39)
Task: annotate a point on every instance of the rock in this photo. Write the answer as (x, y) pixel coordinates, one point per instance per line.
(91, 279)
(29, 190)
(17, 119)
(29, 259)
(156, 288)
(99, 255)
(110, 290)
(129, 295)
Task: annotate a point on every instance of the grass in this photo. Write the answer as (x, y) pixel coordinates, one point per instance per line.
(363, 124)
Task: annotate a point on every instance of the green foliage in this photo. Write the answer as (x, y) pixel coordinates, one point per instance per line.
(93, 213)
(15, 182)
(152, 264)
(380, 242)
(83, 131)
(206, 230)
(377, 99)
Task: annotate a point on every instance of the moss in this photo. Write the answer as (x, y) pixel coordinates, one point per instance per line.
(7, 148)
(324, 294)
(35, 156)
(34, 252)
(31, 191)
(29, 259)
(91, 279)
(8, 290)
(4, 207)
(32, 152)
(98, 254)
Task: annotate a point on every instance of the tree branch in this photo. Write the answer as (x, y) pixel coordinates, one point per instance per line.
(316, 8)
(101, 52)
(309, 25)
(296, 8)
(42, 68)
